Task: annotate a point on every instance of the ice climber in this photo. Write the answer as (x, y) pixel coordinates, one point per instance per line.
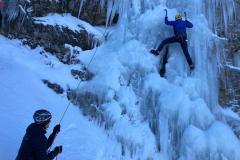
(179, 27)
(35, 144)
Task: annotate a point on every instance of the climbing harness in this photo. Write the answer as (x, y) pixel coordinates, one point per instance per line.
(181, 37)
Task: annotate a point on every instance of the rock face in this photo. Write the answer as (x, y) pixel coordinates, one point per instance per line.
(230, 89)
(55, 87)
(84, 75)
(91, 10)
(234, 31)
(53, 38)
(19, 23)
(230, 81)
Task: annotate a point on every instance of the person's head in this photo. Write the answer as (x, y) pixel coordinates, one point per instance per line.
(42, 117)
(178, 16)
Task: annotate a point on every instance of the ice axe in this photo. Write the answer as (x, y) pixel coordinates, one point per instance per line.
(185, 15)
(166, 12)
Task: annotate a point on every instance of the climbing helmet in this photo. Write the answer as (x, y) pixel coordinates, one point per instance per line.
(178, 16)
(42, 116)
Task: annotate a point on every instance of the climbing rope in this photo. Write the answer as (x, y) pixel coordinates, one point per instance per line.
(104, 38)
(68, 105)
(104, 34)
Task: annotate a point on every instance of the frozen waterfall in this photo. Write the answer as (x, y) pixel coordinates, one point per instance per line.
(152, 118)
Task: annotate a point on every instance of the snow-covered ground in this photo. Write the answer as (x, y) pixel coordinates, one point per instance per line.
(148, 117)
(23, 92)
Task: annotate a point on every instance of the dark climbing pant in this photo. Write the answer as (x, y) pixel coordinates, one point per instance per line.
(180, 38)
(163, 63)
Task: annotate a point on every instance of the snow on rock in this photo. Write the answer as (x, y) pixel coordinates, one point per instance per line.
(237, 69)
(69, 21)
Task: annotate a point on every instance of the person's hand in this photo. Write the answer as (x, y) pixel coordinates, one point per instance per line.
(56, 129)
(57, 150)
(155, 52)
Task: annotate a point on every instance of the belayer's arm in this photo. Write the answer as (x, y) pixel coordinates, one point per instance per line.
(41, 152)
(51, 139)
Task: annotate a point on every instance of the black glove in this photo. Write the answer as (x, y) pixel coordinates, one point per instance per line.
(57, 150)
(155, 52)
(56, 129)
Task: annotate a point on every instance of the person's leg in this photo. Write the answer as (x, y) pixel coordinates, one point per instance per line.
(186, 53)
(164, 62)
(166, 41)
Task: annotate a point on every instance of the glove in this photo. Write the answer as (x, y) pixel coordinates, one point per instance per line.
(57, 150)
(155, 52)
(56, 129)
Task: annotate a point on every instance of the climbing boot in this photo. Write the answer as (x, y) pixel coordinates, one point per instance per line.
(192, 67)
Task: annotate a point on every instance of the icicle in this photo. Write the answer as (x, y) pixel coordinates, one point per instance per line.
(226, 9)
(114, 10)
(80, 7)
(109, 10)
(102, 3)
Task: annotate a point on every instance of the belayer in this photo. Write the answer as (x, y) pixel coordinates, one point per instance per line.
(35, 144)
(179, 27)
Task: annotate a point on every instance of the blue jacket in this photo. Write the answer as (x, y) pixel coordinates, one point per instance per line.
(179, 26)
(35, 144)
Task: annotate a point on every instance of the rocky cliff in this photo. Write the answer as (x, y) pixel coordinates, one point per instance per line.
(20, 22)
(230, 76)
